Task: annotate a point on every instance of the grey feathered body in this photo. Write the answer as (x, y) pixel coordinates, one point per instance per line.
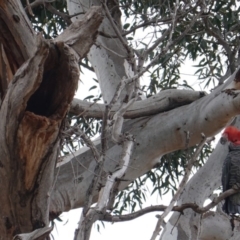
(231, 177)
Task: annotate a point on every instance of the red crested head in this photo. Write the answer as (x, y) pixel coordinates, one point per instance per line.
(231, 134)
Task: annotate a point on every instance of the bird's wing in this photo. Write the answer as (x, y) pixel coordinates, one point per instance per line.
(225, 172)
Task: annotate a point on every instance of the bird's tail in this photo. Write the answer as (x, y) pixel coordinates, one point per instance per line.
(230, 208)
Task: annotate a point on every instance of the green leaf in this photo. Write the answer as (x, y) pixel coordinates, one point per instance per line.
(126, 26)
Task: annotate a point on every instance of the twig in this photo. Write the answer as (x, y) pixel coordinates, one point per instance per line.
(196, 208)
(113, 194)
(115, 28)
(90, 144)
(37, 3)
(108, 108)
(105, 191)
(29, 8)
(49, 7)
(159, 40)
(118, 121)
(93, 186)
(146, 23)
(173, 25)
(105, 130)
(215, 33)
(53, 10)
(130, 52)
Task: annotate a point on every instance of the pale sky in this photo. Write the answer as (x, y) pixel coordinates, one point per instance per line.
(140, 228)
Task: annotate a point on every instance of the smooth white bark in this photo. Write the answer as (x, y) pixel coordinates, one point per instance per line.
(155, 136)
(107, 56)
(161, 102)
(199, 188)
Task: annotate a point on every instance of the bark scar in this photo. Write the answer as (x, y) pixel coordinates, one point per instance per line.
(46, 104)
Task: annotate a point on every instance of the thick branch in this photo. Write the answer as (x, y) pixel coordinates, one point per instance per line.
(17, 34)
(81, 34)
(156, 135)
(161, 102)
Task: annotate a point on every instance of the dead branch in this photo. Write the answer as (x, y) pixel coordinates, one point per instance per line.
(82, 33)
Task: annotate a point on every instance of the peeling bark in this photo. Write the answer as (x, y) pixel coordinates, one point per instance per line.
(32, 112)
(33, 105)
(16, 34)
(35, 136)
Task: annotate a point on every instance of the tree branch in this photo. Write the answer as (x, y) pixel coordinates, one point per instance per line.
(195, 207)
(81, 34)
(88, 218)
(53, 10)
(157, 135)
(161, 102)
(215, 33)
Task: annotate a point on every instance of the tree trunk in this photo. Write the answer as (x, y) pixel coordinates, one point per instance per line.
(32, 112)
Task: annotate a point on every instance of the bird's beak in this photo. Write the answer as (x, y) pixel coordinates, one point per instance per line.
(224, 139)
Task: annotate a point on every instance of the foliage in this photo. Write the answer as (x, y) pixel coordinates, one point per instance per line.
(46, 22)
(200, 45)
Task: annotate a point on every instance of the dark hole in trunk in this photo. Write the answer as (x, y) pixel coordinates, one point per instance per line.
(43, 102)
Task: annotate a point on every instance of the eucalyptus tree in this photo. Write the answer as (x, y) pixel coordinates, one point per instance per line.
(159, 130)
